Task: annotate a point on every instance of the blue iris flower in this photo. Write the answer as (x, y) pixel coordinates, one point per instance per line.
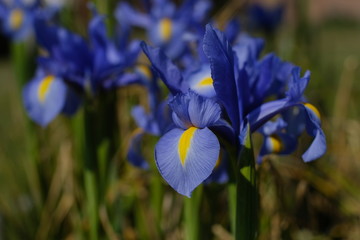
(87, 68)
(197, 78)
(16, 18)
(96, 65)
(187, 154)
(265, 18)
(276, 139)
(232, 88)
(46, 96)
(167, 26)
(156, 121)
(240, 94)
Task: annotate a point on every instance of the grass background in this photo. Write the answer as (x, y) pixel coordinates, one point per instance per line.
(319, 200)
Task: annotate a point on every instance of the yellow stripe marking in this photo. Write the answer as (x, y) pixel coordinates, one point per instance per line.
(276, 144)
(165, 29)
(44, 87)
(16, 18)
(143, 69)
(43, 52)
(219, 160)
(313, 108)
(205, 82)
(184, 143)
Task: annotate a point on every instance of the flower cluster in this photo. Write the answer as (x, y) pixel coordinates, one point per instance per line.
(223, 99)
(219, 87)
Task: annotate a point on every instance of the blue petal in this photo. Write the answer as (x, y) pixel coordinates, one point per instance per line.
(279, 143)
(248, 50)
(134, 152)
(203, 112)
(201, 10)
(201, 82)
(266, 111)
(221, 58)
(145, 121)
(167, 71)
(232, 30)
(123, 80)
(127, 16)
(298, 84)
(201, 157)
(265, 18)
(44, 109)
(72, 102)
(318, 146)
(191, 109)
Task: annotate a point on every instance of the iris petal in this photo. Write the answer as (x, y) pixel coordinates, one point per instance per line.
(191, 109)
(44, 107)
(134, 152)
(318, 146)
(201, 154)
(221, 58)
(168, 72)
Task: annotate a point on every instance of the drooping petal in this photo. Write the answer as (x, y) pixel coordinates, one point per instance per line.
(312, 120)
(186, 158)
(134, 152)
(145, 120)
(44, 98)
(313, 128)
(266, 111)
(279, 143)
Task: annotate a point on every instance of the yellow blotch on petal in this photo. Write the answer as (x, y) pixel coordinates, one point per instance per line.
(143, 69)
(313, 109)
(43, 52)
(44, 87)
(184, 143)
(276, 144)
(219, 160)
(206, 82)
(165, 29)
(16, 18)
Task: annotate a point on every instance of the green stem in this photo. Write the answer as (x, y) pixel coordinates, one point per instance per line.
(92, 203)
(21, 57)
(90, 167)
(157, 193)
(22, 60)
(246, 194)
(192, 214)
(232, 205)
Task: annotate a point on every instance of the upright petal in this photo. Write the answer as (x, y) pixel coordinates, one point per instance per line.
(167, 71)
(191, 109)
(221, 58)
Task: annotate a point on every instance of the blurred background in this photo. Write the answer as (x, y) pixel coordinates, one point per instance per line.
(319, 200)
